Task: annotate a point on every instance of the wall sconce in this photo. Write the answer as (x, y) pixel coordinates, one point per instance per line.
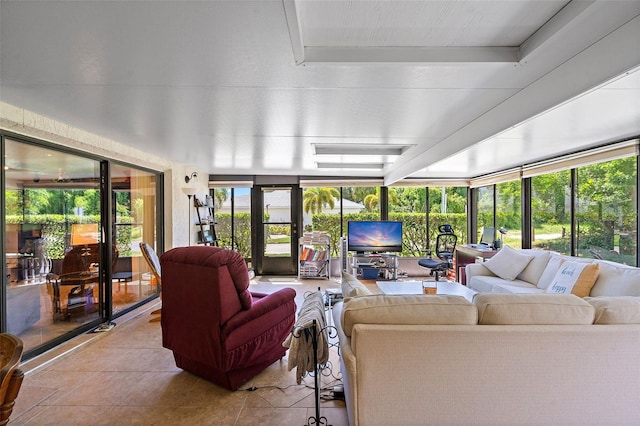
(188, 179)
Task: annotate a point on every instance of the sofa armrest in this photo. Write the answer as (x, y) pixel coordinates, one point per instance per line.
(474, 269)
(262, 305)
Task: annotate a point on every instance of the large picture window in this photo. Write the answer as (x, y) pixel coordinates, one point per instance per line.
(551, 212)
(606, 211)
(508, 213)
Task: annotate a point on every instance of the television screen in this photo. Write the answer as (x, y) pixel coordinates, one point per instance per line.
(374, 236)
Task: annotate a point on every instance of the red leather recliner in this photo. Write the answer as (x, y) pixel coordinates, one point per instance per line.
(215, 327)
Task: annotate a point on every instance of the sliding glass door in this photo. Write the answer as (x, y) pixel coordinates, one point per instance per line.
(72, 228)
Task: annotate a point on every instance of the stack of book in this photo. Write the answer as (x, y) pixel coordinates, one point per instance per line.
(309, 253)
(314, 238)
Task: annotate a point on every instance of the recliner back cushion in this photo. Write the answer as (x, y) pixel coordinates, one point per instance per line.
(217, 257)
(407, 309)
(538, 309)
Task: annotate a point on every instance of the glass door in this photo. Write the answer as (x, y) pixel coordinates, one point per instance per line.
(278, 233)
(54, 257)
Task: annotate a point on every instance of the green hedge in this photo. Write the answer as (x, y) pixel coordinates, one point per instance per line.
(413, 228)
(56, 227)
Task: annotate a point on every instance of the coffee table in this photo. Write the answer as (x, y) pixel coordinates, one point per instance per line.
(415, 287)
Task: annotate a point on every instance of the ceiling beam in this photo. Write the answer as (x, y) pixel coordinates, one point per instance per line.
(614, 55)
(293, 25)
(554, 27)
(399, 54)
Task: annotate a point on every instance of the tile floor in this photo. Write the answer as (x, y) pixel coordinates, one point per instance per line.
(125, 376)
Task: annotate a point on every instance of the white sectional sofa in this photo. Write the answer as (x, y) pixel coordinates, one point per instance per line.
(504, 359)
(503, 274)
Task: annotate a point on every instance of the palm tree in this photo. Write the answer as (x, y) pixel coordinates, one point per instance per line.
(220, 196)
(317, 198)
(371, 201)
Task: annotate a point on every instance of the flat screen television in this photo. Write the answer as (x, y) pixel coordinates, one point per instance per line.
(374, 236)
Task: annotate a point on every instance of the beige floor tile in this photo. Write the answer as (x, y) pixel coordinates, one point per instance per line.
(272, 416)
(125, 376)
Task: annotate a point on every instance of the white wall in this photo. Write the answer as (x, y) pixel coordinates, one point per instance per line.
(176, 208)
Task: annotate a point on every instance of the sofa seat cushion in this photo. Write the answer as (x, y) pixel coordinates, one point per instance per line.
(508, 263)
(616, 280)
(616, 309)
(407, 310)
(351, 287)
(491, 284)
(539, 309)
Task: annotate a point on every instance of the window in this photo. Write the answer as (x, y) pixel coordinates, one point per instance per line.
(606, 211)
(551, 212)
(321, 212)
(135, 218)
(508, 213)
(485, 209)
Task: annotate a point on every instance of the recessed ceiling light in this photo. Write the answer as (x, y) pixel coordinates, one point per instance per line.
(359, 149)
(360, 166)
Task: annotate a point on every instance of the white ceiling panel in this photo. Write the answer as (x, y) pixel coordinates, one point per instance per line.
(221, 78)
(569, 128)
(423, 23)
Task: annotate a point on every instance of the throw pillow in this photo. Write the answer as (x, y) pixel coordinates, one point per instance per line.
(507, 263)
(555, 260)
(351, 287)
(536, 267)
(575, 277)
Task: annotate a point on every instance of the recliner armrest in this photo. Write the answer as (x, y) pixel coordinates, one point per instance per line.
(261, 305)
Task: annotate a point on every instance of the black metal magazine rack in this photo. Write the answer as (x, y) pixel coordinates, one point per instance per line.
(309, 345)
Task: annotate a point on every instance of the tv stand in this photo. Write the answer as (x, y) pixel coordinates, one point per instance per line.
(375, 266)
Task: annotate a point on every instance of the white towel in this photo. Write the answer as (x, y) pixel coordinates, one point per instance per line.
(300, 341)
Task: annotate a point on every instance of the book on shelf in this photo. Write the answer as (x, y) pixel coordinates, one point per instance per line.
(312, 254)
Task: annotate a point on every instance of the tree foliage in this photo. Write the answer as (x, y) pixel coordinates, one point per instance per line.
(315, 199)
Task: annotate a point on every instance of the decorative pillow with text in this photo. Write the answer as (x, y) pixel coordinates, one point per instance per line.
(575, 277)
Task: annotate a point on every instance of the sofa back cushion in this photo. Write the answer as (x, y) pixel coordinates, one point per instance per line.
(533, 271)
(616, 309)
(539, 309)
(616, 280)
(508, 263)
(407, 309)
(351, 287)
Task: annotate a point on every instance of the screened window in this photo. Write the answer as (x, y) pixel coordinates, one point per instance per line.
(508, 213)
(606, 211)
(551, 212)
